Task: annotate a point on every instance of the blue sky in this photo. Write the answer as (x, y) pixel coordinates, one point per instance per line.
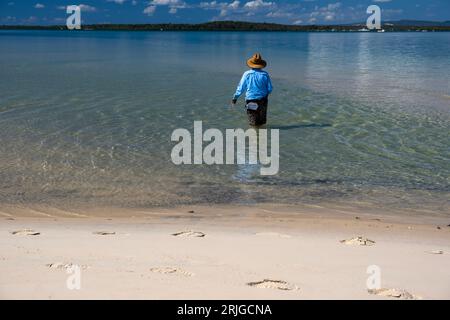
(44, 12)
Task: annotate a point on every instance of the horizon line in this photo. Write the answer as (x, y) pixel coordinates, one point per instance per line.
(233, 21)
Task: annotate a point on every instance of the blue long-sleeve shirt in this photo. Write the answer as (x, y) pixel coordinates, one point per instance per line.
(256, 83)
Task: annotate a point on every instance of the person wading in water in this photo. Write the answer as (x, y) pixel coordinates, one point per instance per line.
(257, 85)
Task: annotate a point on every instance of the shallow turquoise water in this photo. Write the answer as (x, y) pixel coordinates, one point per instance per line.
(86, 117)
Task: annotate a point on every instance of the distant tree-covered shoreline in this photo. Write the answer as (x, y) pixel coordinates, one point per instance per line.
(245, 26)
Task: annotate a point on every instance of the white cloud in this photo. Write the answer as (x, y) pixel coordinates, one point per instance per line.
(234, 5)
(279, 14)
(117, 1)
(83, 7)
(87, 8)
(327, 13)
(258, 4)
(150, 10)
(165, 2)
(225, 8)
(211, 5)
(237, 11)
(173, 5)
(170, 3)
(301, 12)
(39, 6)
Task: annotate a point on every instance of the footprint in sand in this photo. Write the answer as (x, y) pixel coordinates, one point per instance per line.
(195, 234)
(65, 266)
(104, 233)
(26, 232)
(435, 252)
(358, 241)
(172, 270)
(394, 293)
(273, 284)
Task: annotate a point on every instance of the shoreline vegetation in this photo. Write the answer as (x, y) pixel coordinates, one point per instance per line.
(395, 26)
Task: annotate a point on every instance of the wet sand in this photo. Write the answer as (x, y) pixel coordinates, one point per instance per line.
(221, 252)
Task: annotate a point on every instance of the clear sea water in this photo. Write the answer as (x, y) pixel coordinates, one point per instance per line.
(86, 118)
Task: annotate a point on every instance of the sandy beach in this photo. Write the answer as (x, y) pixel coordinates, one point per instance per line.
(221, 252)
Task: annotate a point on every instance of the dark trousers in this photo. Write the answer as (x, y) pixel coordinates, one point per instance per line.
(258, 117)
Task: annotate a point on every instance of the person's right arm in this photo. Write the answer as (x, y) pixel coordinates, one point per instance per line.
(240, 88)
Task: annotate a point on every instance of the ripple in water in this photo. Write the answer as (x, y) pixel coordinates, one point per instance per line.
(94, 128)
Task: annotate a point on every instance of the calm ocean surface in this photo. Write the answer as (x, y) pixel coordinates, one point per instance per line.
(86, 117)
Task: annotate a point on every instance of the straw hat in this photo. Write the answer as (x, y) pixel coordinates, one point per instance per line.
(256, 62)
